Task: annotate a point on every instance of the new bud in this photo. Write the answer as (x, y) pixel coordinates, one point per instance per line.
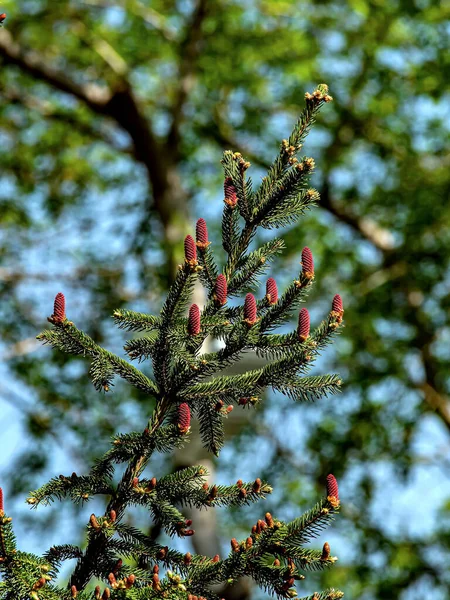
(325, 551)
(230, 192)
(332, 490)
(187, 558)
(271, 291)
(250, 310)
(59, 309)
(216, 558)
(190, 250)
(184, 418)
(307, 263)
(73, 591)
(337, 308)
(201, 234)
(257, 485)
(303, 324)
(269, 520)
(220, 290)
(234, 545)
(194, 320)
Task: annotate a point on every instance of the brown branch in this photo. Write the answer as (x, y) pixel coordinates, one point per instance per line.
(121, 105)
(189, 52)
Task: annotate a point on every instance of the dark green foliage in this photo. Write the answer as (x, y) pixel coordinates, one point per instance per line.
(273, 554)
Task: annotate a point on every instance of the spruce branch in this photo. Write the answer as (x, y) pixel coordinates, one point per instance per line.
(188, 382)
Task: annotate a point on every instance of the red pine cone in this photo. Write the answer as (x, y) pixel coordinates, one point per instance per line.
(59, 308)
(190, 249)
(271, 291)
(337, 305)
(220, 291)
(326, 550)
(303, 324)
(2, 17)
(250, 309)
(201, 234)
(332, 486)
(194, 320)
(184, 418)
(307, 262)
(73, 591)
(230, 192)
(1, 501)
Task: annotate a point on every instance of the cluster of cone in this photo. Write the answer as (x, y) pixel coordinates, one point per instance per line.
(250, 304)
(269, 523)
(220, 291)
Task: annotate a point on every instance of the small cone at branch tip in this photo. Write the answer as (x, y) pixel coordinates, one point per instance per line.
(135, 481)
(269, 520)
(40, 584)
(257, 485)
(201, 234)
(112, 516)
(130, 581)
(325, 551)
(216, 558)
(190, 250)
(112, 579)
(230, 192)
(184, 418)
(229, 409)
(271, 291)
(307, 263)
(73, 591)
(332, 490)
(303, 324)
(97, 592)
(248, 543)
(234, 545)
(59, 309)
(194, 320)
(187, 558)
(155, 569)
(250, 310)
(239, 483)
(220, 290)
(262, 524)
(153, 482)
(155, 581)
(337, 308)
(94, 523)
(276, 563)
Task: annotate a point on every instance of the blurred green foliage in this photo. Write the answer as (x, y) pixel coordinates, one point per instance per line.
(113, 116)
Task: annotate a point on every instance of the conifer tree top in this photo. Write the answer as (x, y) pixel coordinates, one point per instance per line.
(188, 383)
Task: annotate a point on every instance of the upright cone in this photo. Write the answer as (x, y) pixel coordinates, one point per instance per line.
(271, 291)
(307, 263)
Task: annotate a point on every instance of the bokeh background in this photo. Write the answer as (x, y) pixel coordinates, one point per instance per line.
(113, 118)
